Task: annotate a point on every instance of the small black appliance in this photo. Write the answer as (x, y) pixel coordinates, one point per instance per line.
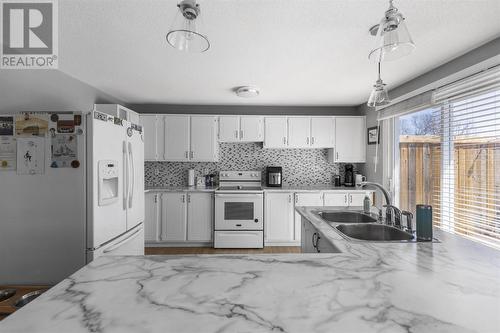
(274, 176)
(349, 175)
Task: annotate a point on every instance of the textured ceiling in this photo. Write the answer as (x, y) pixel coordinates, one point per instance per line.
(298, 52)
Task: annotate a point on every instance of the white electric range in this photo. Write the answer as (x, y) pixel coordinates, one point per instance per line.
(239, 210)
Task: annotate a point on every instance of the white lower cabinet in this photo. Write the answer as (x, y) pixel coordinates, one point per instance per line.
(356, 199)
(174, 222)
(338, 199)
(173, 217)
(279, 218)
(344, 199)
(152, 217)
(313, 241)
(200, 216)
(305, 199)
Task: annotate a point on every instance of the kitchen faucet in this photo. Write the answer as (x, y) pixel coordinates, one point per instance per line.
(390, 208)
(388, 201)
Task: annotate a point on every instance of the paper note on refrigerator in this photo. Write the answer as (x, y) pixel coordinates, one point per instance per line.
(6, 125)
(64, 150)
(31, 124)
(7, 153)
(30, 156)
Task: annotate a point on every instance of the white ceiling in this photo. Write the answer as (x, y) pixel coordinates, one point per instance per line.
(298, 52)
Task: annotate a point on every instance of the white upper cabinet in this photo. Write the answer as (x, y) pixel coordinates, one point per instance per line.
(229, 128)
(241, 129)
(153, 127)
(177, 138)
(275, 132)
(251, 129)
(350, 140)
(299, 132)
(322, 132)
(190, 138)
(204, 147)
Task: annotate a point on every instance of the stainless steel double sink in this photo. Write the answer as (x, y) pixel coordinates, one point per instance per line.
(359, 226)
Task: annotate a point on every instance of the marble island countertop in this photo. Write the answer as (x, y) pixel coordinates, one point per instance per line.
(452, 286)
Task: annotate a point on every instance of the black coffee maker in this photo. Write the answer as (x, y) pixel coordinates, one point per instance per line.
(349, 175)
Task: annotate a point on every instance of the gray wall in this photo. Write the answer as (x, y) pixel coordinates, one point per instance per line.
(47, 90)
(245, 109)
(449, 69)
(473, 61)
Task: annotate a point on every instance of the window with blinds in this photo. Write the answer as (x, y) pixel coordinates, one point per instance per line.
(466, 196)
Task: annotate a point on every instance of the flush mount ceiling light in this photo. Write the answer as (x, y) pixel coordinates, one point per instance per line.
(379, 95)
(393, 39)
(184, 34)
(247, 92)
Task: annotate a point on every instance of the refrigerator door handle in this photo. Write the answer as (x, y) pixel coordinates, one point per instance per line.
(132, 173)
(125, 175)
(120, 243)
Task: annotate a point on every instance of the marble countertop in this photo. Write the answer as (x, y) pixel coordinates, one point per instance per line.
(180, 189)
(310, 188)
(452, 286)
(314, 188)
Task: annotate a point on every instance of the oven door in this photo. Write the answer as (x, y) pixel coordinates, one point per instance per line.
(239, 211)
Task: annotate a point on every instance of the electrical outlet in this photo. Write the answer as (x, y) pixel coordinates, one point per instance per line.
(157, 171)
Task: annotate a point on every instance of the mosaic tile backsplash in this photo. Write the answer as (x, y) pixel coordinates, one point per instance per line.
(301, 167)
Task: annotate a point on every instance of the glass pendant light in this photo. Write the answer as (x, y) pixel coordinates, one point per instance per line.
(184, 34)
(393, 40)
(379, 95)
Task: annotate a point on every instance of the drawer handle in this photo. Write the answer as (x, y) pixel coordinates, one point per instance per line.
(238, 225)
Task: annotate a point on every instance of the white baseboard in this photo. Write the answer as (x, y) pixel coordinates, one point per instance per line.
(179, 244)
(281, 243)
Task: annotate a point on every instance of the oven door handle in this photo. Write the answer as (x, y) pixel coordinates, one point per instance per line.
(239, 195)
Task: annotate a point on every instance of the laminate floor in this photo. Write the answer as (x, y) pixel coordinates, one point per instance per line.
(209, 250)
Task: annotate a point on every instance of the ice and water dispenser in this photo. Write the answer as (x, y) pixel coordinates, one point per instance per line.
(108, 182)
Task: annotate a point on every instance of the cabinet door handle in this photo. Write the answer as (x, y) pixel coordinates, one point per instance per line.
(350, 198)
(337, 156)
(289, 198)
(307, 141)
(189, 198)
(156, 198)
(296, 198)
(187, 154)
(192, 154)
(241, 134)
(345, 198)
(314, 239)
(317, 243)
(183, 198)
(236, 134)
(312, 140)
(284, 140)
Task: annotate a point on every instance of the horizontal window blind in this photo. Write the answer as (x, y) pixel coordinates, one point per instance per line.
(410, 105)
(468, 192)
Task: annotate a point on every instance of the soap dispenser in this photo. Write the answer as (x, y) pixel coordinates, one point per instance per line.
(367, 204)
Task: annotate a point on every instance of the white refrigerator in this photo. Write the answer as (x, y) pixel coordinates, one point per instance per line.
(58, 219)
(115, 187)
